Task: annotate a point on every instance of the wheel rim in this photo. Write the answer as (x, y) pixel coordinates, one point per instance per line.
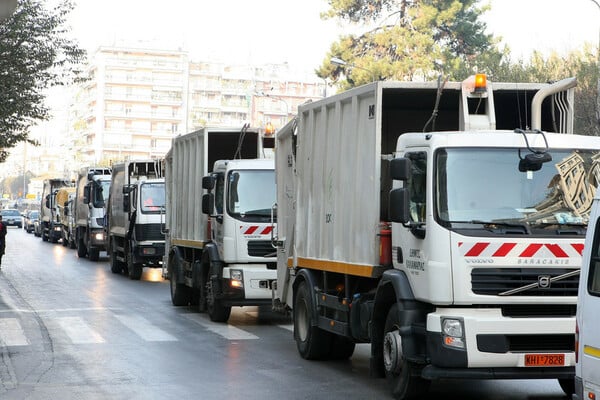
(392, 352)
(301, 320)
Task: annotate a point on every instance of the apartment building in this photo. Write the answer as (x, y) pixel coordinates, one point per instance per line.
(136, 100)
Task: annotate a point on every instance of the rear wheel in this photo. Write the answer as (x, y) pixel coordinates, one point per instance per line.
(81, 249)
(116, 266)
(403, 376)
(180, 294)
(134, 269)
(312, 342)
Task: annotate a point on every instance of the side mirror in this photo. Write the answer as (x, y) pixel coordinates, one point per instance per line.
(400, 169)
(399, 205)
(86, 194)
(208, 182)
(126, 202)
(208, 203)
(47, 202)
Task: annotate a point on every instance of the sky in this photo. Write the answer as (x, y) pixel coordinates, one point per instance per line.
(274, 31)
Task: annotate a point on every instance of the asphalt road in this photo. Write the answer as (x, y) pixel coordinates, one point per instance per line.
(70, 329)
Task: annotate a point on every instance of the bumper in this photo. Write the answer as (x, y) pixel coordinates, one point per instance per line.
(254, 287)
(149, 254)
(498, 347)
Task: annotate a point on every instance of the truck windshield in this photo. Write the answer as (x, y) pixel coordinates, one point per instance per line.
(100, 193)
(251, 194)
(152, 197)
(484, 187)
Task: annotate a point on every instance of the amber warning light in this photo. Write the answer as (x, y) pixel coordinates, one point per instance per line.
(480, 83)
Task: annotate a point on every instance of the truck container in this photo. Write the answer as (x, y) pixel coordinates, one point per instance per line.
(93, 189)
(218, 242)
(441, 223)
(135, 217)
(51, 208)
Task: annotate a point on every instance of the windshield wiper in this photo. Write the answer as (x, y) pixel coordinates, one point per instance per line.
(499, 226)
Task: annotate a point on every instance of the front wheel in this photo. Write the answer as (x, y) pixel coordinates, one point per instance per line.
(403, 376)
(216, 310)
(567, 385)
(81, 249)
(94, 254)
(313, 343)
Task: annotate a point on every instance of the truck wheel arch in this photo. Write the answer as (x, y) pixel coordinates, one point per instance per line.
(393, 288)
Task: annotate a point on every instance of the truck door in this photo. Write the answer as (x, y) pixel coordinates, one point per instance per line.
(218, 228)
(587, 318)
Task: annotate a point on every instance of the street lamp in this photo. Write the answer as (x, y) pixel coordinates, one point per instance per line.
(287, 107)
(342, 63)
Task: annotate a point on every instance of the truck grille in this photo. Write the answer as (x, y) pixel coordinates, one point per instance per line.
(525, 343)
(260, 248)
(149, 232)
(493, 281)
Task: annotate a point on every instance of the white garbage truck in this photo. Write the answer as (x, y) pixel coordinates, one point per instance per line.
(443, 223)
(93, 188)
(219, 255)
(135, 217)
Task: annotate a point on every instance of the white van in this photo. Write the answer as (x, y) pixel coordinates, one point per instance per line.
(587, 369)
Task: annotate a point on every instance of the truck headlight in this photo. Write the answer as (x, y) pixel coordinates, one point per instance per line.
(99, 236)
(453, 332)
(237, 278)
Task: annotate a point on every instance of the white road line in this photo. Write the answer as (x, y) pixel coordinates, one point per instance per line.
(78, 331)
(227, 331)
(289, 327)
(145, 329)
(11, 333)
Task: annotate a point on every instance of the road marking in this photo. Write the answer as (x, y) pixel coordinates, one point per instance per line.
(11, 333)
(78, 331)
(227, 331)
(145, 329)
(289, 327)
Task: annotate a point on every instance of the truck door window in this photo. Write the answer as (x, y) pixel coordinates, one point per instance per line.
(417, 186)
(594, 275)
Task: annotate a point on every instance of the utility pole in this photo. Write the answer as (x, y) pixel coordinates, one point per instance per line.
(598, 65)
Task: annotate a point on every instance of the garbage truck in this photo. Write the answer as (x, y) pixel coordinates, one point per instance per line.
(55, 192)
(93, 188)
(220, 255)
(135, 217)
(441, 222)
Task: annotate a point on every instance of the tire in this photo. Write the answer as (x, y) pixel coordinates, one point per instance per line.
(568, 386)
(72, 244)
(312, 342)
(116, 266)
(216, 310)
(342, 348)
(65, 241)
(180, 294)
(81, 249)
(403, 376)
(94, 254)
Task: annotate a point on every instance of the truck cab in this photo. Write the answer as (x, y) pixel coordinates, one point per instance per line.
(239, 202)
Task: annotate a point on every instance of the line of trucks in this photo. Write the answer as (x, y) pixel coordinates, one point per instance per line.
(441, 222)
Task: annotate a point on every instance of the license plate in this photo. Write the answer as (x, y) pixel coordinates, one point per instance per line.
(544, 360)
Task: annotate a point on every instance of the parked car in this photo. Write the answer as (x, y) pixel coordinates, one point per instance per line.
(11, 217)
(30, 218)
